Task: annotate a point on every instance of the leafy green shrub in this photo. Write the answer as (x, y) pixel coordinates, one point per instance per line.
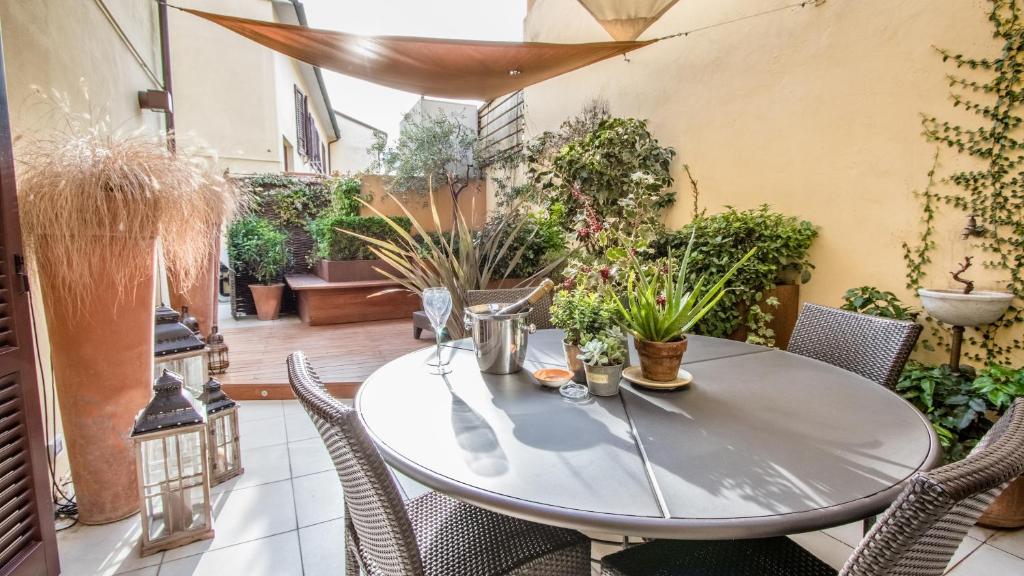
(257, 247)
(961, 407)
(540, 236)
(345, 194)
(333, 244)
(874, 302)
(720, 241)
(582, 313)
(612, 182)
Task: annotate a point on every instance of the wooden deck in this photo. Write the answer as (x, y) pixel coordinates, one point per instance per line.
(342, 354)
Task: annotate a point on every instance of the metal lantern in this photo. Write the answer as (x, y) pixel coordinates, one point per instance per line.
(190, 321)
(179, 350)
(217, 352)
(222, 427)
(171, 459)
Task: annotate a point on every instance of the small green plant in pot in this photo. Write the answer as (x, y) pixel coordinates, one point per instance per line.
(604, 356)
(257, 247)
(659, 307)
(583, 314)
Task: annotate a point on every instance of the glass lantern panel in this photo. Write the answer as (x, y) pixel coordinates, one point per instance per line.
(154, 462)
(197, 512)
(191, 368)
(191, 455)
(173, 461)
(155, 516)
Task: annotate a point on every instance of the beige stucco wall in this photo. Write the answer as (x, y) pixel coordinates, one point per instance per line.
(71, 48)
(813, 110)
(224, 96)
(349, 153)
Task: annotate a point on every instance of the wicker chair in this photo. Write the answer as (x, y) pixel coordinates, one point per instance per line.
(916, 536)
(432, 534)
(876, 348)
(540, 316)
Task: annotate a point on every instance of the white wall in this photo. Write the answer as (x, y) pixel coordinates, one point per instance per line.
(224, 95)
(349, 154)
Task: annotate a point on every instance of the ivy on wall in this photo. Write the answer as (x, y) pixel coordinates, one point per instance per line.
(992, 193)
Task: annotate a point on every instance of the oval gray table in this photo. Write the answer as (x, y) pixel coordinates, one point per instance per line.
(762, 443)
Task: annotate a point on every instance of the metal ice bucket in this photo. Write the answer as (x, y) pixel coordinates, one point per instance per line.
(500, 341)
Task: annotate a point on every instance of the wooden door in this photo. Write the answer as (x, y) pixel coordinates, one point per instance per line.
(28, 543)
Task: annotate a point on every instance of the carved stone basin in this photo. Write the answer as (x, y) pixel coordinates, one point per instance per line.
(954, 307)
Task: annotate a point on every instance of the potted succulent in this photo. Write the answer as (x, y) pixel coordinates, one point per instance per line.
(659, 308)
(583, 314)
(604, 357)
(257, 247)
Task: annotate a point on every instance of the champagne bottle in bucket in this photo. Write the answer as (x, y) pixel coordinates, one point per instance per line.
(500, 336)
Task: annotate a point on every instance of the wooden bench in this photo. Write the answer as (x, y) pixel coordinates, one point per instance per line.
(321, 302)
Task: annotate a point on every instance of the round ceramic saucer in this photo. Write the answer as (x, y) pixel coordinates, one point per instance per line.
(634, 375)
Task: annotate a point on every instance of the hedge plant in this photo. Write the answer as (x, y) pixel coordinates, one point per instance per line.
(721, 240)
(258, 248)
(333, 244)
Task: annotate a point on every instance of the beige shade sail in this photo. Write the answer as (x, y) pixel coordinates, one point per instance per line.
(459, 69)
(625, 20)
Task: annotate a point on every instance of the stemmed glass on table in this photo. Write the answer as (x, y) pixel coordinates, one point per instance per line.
(437, 305)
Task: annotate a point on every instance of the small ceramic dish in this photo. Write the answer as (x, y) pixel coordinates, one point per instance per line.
(552, 377)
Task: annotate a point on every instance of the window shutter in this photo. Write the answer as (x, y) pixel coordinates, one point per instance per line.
(28, 543)
(300, 121)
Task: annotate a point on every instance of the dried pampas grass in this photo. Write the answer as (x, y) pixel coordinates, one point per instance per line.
(93, 202)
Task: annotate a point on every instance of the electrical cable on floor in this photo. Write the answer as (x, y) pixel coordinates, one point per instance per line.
(65, 509)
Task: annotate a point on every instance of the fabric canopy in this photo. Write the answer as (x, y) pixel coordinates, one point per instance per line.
(626, 20)
(459, 69)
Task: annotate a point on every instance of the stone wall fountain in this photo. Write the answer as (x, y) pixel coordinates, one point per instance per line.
(963, 308)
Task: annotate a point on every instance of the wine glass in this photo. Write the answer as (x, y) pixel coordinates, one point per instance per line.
(437, 305)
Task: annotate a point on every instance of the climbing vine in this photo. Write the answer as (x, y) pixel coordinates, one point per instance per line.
(992, 193)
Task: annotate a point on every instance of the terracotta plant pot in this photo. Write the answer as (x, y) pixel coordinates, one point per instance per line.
(573, 362)
(1007, 510)
(660, 361)
(103, 369)
(267, 300)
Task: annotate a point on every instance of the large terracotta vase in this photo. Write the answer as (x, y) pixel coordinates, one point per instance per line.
(102, 356)
(201, 296)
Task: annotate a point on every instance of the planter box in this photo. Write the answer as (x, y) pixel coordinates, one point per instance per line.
(321, 302)
(351, 270)
(784, 317)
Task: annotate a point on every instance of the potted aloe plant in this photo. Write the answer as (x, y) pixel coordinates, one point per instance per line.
(583, 314)
(659, 308)
(257, 247)
(604, 357)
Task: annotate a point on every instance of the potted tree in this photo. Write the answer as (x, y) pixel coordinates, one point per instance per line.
(604, 357)
(583, 314)
(659, 307)
(257, 247)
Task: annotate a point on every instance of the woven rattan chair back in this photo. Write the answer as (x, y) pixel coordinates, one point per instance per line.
(374, 509)
(922, 529)
(876, 348)
(540, 316)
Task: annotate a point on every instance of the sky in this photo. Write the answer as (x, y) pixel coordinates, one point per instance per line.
(464, 19)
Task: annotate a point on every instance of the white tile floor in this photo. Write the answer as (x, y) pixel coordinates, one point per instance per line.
(282, 517)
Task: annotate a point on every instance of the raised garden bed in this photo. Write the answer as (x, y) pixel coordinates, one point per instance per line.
(321, 302)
